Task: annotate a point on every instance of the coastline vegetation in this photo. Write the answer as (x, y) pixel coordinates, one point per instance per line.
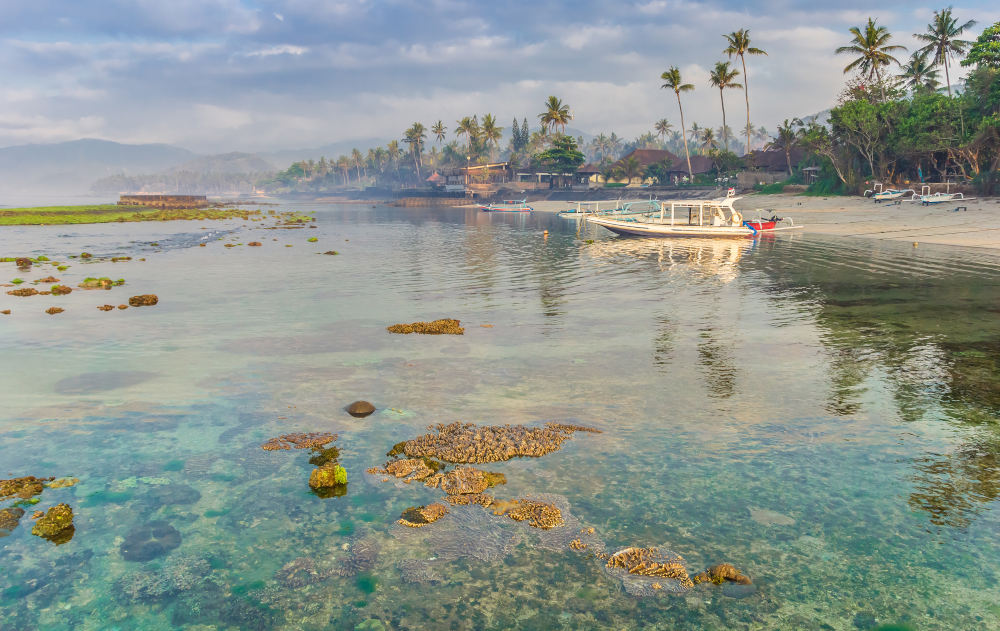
(109, 213)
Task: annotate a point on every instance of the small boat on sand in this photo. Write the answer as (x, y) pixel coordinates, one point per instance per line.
(508, 206)
(939, 198)
(705, 218)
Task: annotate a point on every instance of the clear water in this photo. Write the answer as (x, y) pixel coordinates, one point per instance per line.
(821, 413)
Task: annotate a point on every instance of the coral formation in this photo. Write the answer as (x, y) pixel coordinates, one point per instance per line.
(464, 500)
(177, 575)
(56, 525)
(300, 572)
(145, 300)
(9, 519)
(85, 255)
(468, 443)
(445, 326)
(417, 571)
(332, 252)
(107, 307)
(62, 483)
(100, 283)
(255, 244)
(471, 532)
(23, 293)
(650, 562)
(22, 262)
(360, 409)
(329, 475)
(719, 574)
(324, 456)
(54, 310)
(149, 541)
(418, 516)
(361, 557)
(48, 280)
(409, 468)
(538, 514)
(465, 480)
(25, 487)
(61, 290)
(310, 440)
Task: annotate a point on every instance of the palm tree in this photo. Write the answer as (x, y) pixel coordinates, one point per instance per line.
(344, 163)
(695, 130)
(414, 137)
(491, 134)
(787, 139)
(873, 49)
(941, 40)
(662, 128)
(918, 74)
(555, 114)
(469, 127)
(708, 141)
(630, 169)
(724, 77)
(672, 80)
(394, 154)
(439, 131)
(739, 45)
(357, 159)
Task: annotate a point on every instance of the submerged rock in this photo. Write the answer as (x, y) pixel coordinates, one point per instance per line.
(54, 310)
(9, 519)
(63, 483)
(720, 574)
(145, 300)
(310, 440)
(645, 571)
(328, 476)
(61, 290)
(25, 487)
(360, 409)
(255, 244)
(149, 541)
(177, 575)
(22, 262)
(5, 312)
(468, 443)
(468, 480)
(537, 514)
(418, 516)
(107, 307)
(24, 292)
(301, 572)
(445, 326)
(56, 525)
(48, 280)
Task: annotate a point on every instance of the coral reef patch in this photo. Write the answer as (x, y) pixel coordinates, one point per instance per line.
(469, 443)
(149, 541)
(9, 519)
(24, 488)
(310, 440)
(444, 326)
(418, 516)
(144, 300)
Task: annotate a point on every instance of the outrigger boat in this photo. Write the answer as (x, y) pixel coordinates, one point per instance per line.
(705, 218)
(641, 207)
(508, 206)
(939, 198)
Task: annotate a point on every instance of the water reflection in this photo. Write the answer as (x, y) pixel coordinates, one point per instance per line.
(715, 257)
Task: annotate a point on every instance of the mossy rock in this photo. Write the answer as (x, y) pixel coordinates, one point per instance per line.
(55, 525)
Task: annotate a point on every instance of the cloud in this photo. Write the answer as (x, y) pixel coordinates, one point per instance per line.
(286, 49)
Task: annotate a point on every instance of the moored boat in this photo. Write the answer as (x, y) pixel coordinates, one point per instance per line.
(508, 206)
(705, 218)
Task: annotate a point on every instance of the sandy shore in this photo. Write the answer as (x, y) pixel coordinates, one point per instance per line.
(977, 227)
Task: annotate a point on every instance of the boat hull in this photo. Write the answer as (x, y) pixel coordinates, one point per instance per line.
(636, 228)
(494, 209)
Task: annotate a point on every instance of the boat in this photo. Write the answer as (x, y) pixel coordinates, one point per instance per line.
(641, 207)
(705, 218)
(508, 206)
(881, 194)
(939, 198)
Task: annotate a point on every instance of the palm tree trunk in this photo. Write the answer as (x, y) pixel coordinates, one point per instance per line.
(947, 77)
(788, 159)
(725, 134)
(746, 93)
(687, 153)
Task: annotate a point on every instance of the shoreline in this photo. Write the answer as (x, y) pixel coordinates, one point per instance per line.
(976, 227)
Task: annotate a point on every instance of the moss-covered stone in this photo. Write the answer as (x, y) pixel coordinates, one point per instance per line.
(56, 524)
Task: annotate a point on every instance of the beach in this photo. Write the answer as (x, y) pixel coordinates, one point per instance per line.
(976, 227)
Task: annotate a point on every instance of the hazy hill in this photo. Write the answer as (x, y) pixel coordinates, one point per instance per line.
(70, 167)
(234, 162)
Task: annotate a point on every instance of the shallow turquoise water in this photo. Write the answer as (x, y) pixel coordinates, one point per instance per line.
(821, 413)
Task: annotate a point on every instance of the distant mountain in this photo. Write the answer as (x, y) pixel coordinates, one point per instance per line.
(234, 162)
(285, 157)
(71, 167)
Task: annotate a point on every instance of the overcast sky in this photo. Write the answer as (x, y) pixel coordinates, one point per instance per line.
(224, 75)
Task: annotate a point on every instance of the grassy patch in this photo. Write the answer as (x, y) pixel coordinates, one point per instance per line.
(108, 213)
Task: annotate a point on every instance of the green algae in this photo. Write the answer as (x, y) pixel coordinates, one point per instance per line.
(367, 583)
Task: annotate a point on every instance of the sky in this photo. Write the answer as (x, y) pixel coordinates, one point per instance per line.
(256, 75)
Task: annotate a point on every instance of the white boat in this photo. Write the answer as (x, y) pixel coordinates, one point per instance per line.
(508, 206)
(939, 198)
(705, 218)
(641, 207)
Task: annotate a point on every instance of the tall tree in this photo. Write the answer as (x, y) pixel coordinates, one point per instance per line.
(439, 131)
(724, 77)
(415, 138)
(662, 128)
(941, 40)
(787, 139)
(357, 159)
(394, 154)
(672, 80)
(491, 133)
(873, 51)
(468, 127)
(556, 114)
(739, 46)
(707, 138)
(918, 73)
(985, 52)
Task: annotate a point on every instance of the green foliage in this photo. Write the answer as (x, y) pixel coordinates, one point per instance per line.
(17, 281)
(660, 171)
(340, 475)
(770, 189)
(725, 161)
(985, 52)
(312, 239)
(562, 157)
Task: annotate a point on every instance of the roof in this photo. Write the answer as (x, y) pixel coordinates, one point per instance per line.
(436, 177)
(646, 157)
(589, 168)
(773, 160)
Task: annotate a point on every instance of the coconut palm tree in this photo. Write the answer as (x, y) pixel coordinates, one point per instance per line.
(941, 39)
(873, 50)
(556, 113)
(630, 169)
(787, 139)
(739, 46)
(672, 80)
(695, 130)
(468, 127)
(394, 154)
(414, 137)
(723, 77)
(707, 138)
(344, 164)
(357, 159)
(439, 131)
(491, 133)
(918, 74)
(662, 128)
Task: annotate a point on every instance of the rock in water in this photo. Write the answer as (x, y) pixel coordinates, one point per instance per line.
(56, 525)
(149, 541)
(444, 326)
(418, 516)
(145, 300)
(360, 409)
(9, 518)
(721, 573)
(328, 475)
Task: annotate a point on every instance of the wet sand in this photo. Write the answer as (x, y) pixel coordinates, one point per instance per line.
(976, 227)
